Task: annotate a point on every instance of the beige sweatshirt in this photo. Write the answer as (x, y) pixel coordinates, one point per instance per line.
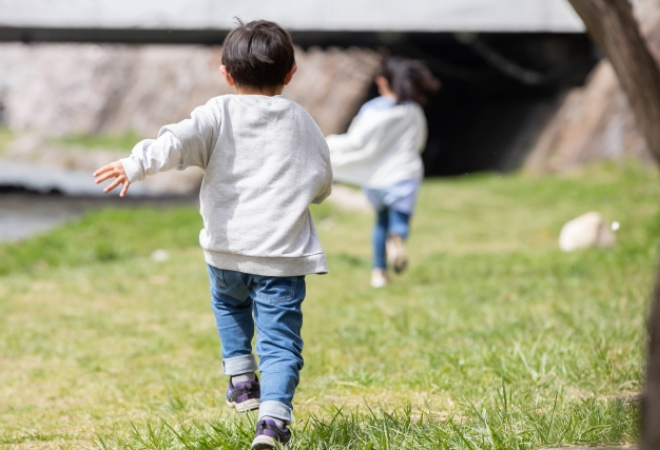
(265, 161)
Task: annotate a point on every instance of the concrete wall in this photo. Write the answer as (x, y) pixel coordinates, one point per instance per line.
(335, 15)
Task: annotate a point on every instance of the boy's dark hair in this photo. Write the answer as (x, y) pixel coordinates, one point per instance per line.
(409, 79)
(258, 54)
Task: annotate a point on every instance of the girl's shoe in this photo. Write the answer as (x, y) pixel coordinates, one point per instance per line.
(379, 278)
(269, 436)
(396, 253)
(244, 396)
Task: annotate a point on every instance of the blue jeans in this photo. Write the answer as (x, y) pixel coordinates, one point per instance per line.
(276, 305)
(388, 221)
(394, 205)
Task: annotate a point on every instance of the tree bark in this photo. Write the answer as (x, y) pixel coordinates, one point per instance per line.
(651, 394)
(612, 26)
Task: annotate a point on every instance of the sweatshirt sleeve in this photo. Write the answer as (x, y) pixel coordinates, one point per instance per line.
(355, 139)
(423, 131)
(326, 186)
(362, 141)
(187, 143)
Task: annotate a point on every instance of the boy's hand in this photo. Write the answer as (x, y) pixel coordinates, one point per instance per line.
(113, 170)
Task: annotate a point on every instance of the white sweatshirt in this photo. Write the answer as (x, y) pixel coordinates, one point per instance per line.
(265, 161)
(381, 147)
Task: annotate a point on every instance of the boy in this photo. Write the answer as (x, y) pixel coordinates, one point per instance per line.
(265, 161)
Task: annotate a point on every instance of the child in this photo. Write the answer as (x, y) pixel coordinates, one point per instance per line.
(381, 153)
(265, 161)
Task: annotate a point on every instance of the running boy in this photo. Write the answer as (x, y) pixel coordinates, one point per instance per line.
(265, 161)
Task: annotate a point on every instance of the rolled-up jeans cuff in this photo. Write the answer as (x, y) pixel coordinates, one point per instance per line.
(276, 410)
(239, 365)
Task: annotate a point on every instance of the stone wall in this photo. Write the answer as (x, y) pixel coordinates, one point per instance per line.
(63, 89)
(595, 122)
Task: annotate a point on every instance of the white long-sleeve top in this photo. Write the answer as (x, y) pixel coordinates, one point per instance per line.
(381, 147)
(265, 161)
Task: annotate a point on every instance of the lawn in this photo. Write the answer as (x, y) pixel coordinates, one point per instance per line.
(125, 141)
(492, 339)
(6, 136)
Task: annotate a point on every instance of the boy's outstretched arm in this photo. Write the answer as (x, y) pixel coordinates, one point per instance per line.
(187, 143)
(113, 170)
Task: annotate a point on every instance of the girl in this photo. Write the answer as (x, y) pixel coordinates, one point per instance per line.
(381, 153)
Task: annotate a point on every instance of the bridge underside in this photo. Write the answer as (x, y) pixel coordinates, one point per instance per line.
(296, 15)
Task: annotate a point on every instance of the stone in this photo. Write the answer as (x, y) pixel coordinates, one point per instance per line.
(54, 90)
(349, 199)
(595, 122)
(587, 230)
(160, 255)
(64, 89)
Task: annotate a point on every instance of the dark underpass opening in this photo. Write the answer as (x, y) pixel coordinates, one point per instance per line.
(498, 92)
(499, 89)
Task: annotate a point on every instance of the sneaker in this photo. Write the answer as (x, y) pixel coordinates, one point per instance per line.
(396, 252)
(269, 436)
(379, 278)
(244, 396)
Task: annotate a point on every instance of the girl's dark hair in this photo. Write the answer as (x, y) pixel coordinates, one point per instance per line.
(258, 54)
(409, 79)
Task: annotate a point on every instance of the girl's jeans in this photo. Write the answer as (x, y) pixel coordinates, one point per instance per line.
(276, 305)
(388, 221)
(394, 205)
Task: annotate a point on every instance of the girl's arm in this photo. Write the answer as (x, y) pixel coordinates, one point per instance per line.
(359, 134)
(326, 185)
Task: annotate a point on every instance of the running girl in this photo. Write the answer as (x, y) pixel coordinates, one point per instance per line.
(381, 153)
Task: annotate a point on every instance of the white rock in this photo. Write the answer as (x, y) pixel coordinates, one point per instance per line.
(327, 224)
(160, 255)
(588, 230)
(349, 199)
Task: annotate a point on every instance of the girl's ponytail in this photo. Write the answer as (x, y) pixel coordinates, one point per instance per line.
(410, 80)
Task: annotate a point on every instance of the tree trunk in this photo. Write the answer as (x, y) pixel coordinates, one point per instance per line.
(611, 24)
(651, 395)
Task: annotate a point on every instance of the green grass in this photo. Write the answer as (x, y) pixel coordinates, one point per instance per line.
(125, 141)
(103, 236)
(6, 136)
(493, 339)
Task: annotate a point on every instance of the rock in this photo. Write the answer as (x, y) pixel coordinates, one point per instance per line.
(587, 230)
(63, 89)
(327, 224)
(34, 163)
(47, 178)
(595, 122)
(160, 255)
(349, 199)
(54, 90)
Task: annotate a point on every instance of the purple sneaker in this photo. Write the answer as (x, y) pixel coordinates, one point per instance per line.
(245, 396)
(269, 436)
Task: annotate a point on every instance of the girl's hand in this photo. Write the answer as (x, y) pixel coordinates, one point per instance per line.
(113, 170)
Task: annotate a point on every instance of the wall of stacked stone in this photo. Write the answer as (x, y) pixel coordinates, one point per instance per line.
(595, 122)
(64, 89)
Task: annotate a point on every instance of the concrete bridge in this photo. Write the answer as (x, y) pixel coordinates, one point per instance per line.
(503, 63)
(511, 16)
